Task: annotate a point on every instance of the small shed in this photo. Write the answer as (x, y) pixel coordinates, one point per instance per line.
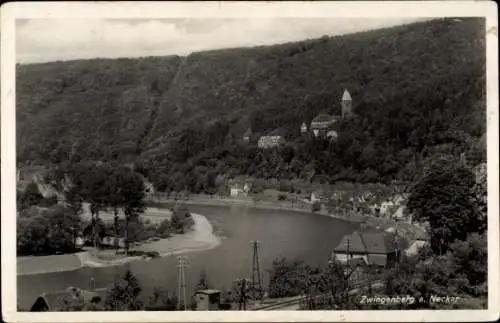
(207, 299)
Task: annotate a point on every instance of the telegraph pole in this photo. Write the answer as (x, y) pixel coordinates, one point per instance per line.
(256, 275)
(396, 238)
(181, 304)
(243, 296)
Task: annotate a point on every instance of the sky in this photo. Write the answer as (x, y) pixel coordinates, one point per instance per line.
(45, 40)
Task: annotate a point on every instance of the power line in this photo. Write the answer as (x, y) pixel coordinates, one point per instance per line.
(256, 274)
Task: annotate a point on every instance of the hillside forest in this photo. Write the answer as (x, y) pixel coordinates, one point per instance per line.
(418, 93)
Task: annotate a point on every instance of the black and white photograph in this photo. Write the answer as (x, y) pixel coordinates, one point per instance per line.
(296, 158)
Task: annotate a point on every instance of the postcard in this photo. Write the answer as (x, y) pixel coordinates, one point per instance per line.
(250, 161)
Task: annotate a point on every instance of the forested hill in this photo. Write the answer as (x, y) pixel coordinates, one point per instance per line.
(416, 88)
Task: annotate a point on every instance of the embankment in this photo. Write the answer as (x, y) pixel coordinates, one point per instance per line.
(200, 237)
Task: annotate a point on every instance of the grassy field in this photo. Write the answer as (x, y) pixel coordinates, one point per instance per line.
(30, 265)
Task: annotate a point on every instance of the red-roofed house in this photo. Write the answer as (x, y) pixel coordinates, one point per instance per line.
(375, 248)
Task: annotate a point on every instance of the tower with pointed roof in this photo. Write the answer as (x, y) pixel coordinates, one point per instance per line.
(346, 104)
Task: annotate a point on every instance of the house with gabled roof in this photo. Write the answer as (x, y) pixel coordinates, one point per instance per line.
(71, 298)
(421, 240)
(322, 124)
(272, 139)
(379, 249)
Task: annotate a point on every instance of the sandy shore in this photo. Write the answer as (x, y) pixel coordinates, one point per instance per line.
(200, 237)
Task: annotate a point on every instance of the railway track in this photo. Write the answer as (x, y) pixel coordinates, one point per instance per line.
(296, 301)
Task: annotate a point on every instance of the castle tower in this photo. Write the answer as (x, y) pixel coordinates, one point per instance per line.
(346, 104)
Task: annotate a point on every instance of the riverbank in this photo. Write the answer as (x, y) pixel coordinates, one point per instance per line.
(300, 207)
(409, 230)
(199, 237)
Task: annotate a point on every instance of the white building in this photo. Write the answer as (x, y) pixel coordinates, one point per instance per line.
(273, 139)
(385, 207)
(236, 191)
(207, 300)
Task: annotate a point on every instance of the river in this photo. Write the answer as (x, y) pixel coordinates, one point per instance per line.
(310, 237)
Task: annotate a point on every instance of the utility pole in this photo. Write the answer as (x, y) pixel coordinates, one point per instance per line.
(256, 275)
(396, 238)
(243, 296)
(181, 304)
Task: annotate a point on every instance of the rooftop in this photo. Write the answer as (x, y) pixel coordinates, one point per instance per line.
(71, 297)
(277, 132)
(346, 96)
(323, 117)
(208, 291)
(371, 242)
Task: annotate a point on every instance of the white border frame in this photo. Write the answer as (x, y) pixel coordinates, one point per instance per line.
(358, 9)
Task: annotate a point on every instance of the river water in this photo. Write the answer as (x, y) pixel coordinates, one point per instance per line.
(310, 237)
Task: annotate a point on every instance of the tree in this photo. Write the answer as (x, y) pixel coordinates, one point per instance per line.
(133, 192)
(287, 278)
(459, 272)
(203, 282)
(30, 196)
(161, 300)
(51, 231)
(332, 286)
(123, 295)
(445, 199)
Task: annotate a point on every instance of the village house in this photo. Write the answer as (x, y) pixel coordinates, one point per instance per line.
(71, 298)
(272, 139)
(386, 207)
(380, 249)
(314, 197)
(236, 191)
(402, 215)
(421, 240)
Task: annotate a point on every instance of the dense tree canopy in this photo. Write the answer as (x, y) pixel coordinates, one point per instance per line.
(51, 231)
(446, 199)
(416, 89)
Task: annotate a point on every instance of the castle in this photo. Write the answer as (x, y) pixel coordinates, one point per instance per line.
(325, 125)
